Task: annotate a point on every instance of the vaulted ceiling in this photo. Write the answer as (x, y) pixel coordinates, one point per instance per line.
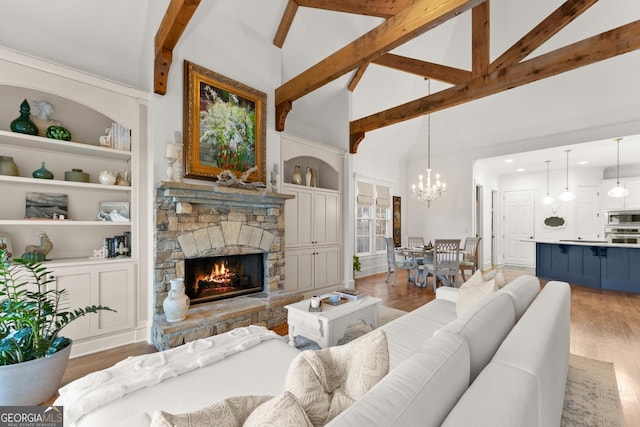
(403, 21)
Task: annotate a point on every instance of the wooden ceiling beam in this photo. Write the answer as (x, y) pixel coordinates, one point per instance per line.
(413, 21)
(356, 77)
(425, 69)
(542, 32)
(285, 23)
(480, 40)
(174, 22)
(603, 46)
(380, 8)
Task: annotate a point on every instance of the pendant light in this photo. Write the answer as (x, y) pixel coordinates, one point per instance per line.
(618, 190)
(428, 192)
(567, 196)
(548, 199)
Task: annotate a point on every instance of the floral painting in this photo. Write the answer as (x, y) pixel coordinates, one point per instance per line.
(225, 126)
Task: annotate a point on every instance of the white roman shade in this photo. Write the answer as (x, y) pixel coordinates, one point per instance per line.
(383, 199)
(365, 193)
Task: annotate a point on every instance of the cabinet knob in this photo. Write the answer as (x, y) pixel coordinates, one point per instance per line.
(51, 276)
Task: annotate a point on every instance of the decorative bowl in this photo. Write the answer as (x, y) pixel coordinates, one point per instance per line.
(76, 175)
(334, 298)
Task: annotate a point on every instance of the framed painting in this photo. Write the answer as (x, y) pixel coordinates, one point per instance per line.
(397, 223)
(224, 126)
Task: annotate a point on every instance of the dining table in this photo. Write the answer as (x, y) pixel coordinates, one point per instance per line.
(424, 253)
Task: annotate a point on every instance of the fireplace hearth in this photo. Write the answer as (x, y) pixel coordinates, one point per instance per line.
(218, 277)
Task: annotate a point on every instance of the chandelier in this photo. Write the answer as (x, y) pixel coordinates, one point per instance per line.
(427, 192)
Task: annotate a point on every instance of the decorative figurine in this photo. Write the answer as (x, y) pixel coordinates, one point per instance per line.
(41, 115)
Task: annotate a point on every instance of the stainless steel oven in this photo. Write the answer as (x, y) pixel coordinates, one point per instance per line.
(622, 227)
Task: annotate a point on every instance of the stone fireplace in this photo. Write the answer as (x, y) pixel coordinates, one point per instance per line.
(199, 224)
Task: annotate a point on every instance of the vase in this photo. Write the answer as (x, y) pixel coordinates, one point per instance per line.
(297, 176)
(42, 173)
(8, 166)
(23, 124)
(176, 304)
(314, 178)
(307, 177)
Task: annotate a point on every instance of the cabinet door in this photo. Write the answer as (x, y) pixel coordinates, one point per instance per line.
(632, 201)
(621, 269)
(115, 289)
(326, 217)
(77, 282)
(299, 270)
(298, 217)
(326, 267)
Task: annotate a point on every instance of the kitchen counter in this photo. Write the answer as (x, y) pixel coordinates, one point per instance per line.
(599, 243)
(597, 264)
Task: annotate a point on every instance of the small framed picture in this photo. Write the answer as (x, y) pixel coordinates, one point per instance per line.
(5, 243)
(46, 205)
(113, 211)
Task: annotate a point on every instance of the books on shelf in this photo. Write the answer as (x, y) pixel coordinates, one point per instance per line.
(351, 294)
(120, 137)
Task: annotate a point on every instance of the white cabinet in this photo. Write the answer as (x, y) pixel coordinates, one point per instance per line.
(312, 218)
(631, 201)
(314, 268)
(86, 105)
(110, 284)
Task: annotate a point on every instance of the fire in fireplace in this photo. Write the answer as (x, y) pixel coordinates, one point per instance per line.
(213, 278)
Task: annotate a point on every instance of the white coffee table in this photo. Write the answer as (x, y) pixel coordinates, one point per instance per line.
(326, 327)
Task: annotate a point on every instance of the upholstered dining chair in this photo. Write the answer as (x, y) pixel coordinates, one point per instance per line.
(469, 256)
(444, 264)
(394, 264)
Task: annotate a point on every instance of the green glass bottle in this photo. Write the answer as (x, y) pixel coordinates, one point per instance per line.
(42, 173)
(23, 124)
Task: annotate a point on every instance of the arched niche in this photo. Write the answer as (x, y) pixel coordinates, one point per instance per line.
(327, 177)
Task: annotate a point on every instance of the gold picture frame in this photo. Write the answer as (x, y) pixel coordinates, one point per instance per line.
(224, 126)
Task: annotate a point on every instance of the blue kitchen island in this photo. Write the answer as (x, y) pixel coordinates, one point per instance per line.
(596, 264)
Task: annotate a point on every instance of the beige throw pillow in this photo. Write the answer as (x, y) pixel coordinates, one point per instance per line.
(328, 381)
(498, 275)
(469, 295)
(230, 412)
(281, 411)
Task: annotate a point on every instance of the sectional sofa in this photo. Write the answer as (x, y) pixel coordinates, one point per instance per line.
(503, 362)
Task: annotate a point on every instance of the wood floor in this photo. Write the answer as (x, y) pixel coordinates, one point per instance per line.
(604, 326)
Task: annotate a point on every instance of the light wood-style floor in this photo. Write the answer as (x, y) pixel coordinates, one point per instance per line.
(604, 326)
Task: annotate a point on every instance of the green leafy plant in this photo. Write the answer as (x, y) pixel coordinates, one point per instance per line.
(356, 263)
(31, 317)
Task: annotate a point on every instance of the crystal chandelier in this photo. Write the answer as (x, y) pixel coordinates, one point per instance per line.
(426, 192)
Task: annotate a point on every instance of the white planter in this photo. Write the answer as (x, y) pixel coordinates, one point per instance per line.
(32, 382)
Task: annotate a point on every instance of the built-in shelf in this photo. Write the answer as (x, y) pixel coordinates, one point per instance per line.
(58, 183)
(63, 222)
(53, 145)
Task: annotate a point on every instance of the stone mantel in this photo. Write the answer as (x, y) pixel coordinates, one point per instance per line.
(181, 192)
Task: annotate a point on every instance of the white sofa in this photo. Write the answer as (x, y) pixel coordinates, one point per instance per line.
(502, 363)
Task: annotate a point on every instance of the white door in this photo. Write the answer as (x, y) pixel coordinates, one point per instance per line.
(518, 226)
(588, 208)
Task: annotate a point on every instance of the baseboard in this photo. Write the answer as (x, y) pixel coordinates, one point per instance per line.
(92, 345)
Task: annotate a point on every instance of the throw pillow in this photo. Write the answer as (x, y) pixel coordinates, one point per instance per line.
(328, 381)
(501, 281)
(230, 412)
(283, 411)
(470, 295)
(475, 280)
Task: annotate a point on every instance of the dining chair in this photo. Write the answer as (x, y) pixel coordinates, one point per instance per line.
(470, 256)
(417, 242)
(444, 264)
(394, 264)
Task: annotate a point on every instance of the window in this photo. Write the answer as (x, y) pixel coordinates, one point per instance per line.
(372, 219)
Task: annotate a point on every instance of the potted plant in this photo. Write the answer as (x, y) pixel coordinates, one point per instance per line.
(356, 263)
(33, 354)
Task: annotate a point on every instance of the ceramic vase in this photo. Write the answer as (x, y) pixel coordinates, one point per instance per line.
(42, 173)
(176, 303)
(308, 177)
(8, 166)
(297, 176)
(23, 124)
(314, 177)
